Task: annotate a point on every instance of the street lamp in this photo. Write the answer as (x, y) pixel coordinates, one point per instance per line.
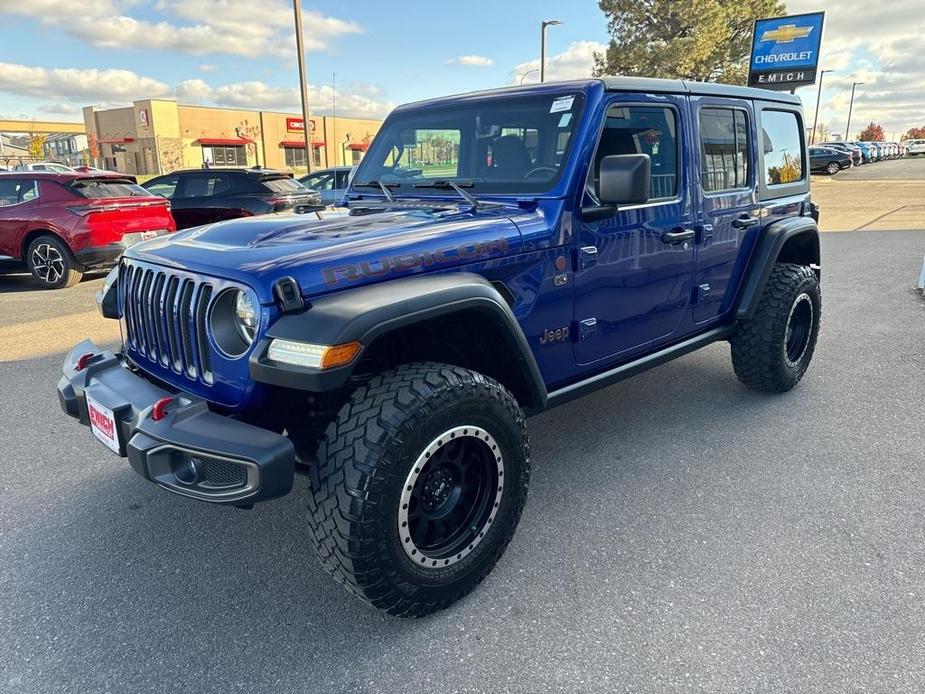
(812, 137)
(850, 106)
(297, 12)
(546, 23)
(523, 76)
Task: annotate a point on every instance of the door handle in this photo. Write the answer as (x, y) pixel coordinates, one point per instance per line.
(677, 236)
(744, 222)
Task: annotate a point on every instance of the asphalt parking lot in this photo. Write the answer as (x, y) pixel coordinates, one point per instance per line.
(683, 533)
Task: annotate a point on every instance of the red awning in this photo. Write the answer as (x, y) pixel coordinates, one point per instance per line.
(358, 146)
(115, 140)
(300, 144)
(224, 141)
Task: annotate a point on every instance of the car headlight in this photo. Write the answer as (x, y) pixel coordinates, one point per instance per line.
(245, 316)
(233, 322)
(312, 356)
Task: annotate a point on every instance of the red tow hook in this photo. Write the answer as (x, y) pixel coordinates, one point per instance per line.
(159, 411)
(82, 361)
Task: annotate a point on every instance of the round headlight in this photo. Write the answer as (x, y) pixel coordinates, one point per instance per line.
(245, 316)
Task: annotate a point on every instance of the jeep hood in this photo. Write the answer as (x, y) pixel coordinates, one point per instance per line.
(333, 254)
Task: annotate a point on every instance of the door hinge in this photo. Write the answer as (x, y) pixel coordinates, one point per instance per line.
(587, 257)
(701, 292)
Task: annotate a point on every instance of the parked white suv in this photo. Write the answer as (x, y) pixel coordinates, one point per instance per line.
(916, 147)
(45, 166)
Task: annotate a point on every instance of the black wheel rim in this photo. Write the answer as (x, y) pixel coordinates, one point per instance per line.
(799, 329)
(450, 497)
(47, 263)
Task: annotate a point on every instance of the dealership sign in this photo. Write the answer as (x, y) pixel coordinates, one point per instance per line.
(785, 51)
(298, 125)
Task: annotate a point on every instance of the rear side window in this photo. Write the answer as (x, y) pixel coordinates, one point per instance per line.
(783, 147)
(724, 149)
(99, 189)
(282, 185)
(164, 187)
(648, 130)
(204, 185)
(16, 190)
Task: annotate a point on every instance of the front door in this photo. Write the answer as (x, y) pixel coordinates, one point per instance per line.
(634, 269)
(728, 214)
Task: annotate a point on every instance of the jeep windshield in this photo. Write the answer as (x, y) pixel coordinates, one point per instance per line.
(510, 145)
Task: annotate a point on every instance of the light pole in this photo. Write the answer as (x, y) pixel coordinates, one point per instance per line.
(812, 137)
(850, 106)
(297, 12)
(546, 23)
(523, 76)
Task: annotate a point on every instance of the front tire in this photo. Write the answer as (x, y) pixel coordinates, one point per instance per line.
(832, 168)
(420, 483)
(51, 262)
(772, 350)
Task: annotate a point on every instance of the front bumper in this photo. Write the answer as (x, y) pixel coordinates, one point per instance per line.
(191, 451)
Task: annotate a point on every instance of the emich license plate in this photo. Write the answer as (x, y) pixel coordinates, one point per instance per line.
(103, 425)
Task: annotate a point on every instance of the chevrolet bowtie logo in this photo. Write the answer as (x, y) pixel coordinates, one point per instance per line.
(786, 33)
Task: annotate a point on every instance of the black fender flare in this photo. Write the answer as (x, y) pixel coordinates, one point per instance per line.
(767, 251)
(366, 313)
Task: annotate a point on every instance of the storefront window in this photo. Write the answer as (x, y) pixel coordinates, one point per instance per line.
(295, 157)
(234, 155)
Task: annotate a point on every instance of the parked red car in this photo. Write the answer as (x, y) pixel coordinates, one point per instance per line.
(62, 224)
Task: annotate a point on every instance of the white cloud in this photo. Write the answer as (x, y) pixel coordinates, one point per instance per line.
(575, 62)
(211, 26)
(359, 101)
(476, 60)
(81, 86)
(206, 67)
(72, 88)
(879, 46)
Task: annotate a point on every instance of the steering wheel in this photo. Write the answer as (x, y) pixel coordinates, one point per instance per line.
(540, 169)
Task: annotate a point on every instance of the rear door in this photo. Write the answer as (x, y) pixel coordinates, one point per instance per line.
(633, 278)
(16, 209)
(727, 209)
(203, 198)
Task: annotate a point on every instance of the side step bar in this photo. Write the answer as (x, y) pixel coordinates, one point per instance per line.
(624, 371)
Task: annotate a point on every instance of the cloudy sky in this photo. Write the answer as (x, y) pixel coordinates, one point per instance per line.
(59, 55)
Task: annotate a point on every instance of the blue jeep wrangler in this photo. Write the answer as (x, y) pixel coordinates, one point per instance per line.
(504, 252)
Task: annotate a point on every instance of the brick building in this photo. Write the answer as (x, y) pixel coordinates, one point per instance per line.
(155, 136)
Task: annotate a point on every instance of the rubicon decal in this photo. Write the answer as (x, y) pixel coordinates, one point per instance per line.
(370, 269)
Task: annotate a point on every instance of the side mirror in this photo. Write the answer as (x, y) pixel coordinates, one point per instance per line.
(624, 179)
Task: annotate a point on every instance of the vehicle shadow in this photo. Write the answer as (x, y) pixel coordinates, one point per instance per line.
(20, 281)
(110, 569)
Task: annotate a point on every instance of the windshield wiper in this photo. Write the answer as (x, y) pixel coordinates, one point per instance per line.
(384, 187)
(458, 187)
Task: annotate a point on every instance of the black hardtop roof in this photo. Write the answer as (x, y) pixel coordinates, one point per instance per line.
(629, 84)
(232, 169)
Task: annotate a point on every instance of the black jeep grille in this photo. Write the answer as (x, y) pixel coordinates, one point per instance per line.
(165, 317)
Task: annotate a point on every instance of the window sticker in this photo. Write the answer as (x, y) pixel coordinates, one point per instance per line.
(565, 119)
(563, 103)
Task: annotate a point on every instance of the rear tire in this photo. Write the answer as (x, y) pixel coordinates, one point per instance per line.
(51, 262)
(832, 168)
(772, 350)
(420, 483)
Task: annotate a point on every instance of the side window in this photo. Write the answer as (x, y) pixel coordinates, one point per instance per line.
(724, 149)
(165, 187)
(648, 130)
(783, 147)
(320, 182)
(9, 191)
(205, 185)
(342, 177)
(29, 190)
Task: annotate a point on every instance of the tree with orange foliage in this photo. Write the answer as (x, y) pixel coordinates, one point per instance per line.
(872, 133)
(915, 134)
